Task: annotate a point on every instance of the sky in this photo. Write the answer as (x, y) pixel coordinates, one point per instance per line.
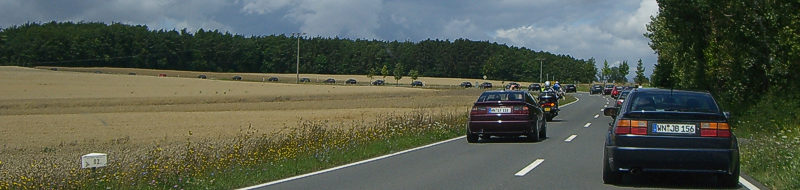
(600, 29)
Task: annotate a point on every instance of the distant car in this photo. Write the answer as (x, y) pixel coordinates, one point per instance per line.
(596, 89)
(616, 91)
(201, 76)
(466, 84)
(535, 87)
(273, 79)
(417, 83)
(506, 113)
(330, 80)
(98, 72)
(621, 98)
(570, 88)
(131, 73)
(237, 77)
(378, 82)
(608, 89)
(512, 86)
(162, 75)
(485, 85)
(350, 81)
(670, 131)
(305, 80)
(54, 69)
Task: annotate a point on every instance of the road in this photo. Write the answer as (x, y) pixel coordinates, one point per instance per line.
(570, 158)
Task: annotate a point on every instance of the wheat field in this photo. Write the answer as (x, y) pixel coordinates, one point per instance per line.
(81, 112)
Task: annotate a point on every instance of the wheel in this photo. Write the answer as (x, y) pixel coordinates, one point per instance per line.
(543, 134)
(534, 136)
(472, 138)
(550, 118)
(609, 175)
(729, 180)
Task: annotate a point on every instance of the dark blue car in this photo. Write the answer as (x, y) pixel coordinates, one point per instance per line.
(670, 131)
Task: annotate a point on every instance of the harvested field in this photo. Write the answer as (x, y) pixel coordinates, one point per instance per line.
(79, 112)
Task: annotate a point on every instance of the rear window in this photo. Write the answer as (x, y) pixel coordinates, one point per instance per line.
(674, 102)
(500, 96)
(609, 86)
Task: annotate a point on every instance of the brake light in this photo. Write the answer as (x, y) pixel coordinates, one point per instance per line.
(549, 104)
(715, 130)
(478, 110)
(619, 102)
(520, 110)
(635, 127)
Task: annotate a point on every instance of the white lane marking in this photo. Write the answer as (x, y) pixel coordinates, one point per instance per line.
(576, 100)
(595, 116)
(747, 184)
(601, 110)
(349, 165)
(529, 168)
(587, 125)
(569, 139)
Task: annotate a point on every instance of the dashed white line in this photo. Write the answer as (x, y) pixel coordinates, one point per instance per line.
(747, 184)
(569, 139)
(529, 168)
(595, 116)
(601, 110)
(587, 125)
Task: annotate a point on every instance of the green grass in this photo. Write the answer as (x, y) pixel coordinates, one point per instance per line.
(252, 158)
(769, 140)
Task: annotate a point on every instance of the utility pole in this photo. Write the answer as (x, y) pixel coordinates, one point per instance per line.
(297, 69)
(540, 68)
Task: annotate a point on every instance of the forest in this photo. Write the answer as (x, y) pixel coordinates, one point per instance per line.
(135, 46)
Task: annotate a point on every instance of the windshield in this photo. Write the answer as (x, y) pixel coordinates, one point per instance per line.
(675, 102)
(500, 96)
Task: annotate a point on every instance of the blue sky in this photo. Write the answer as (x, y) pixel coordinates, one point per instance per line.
(605, 30)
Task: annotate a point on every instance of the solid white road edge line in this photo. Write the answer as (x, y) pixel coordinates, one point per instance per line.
(595, 116)
(747, 184)
(576, 100)
(349, 165)
(569, 139)
(587, 125)
(529, 168)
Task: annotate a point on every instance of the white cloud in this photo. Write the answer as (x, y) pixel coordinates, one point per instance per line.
(461, 28)
(263, 7)
(352, 19)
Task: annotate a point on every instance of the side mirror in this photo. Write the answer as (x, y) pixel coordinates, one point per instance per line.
(727, 115)
(611, 111)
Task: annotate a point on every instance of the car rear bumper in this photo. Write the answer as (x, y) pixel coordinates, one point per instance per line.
(499, 127)
(718, 161)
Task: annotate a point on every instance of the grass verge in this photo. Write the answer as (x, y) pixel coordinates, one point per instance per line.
(769, 140)
(248, 159)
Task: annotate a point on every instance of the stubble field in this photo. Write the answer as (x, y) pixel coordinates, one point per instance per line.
(73, 113)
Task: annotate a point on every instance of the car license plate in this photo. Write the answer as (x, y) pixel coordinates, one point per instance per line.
(500, 110)
(674, 128)
(546, 109)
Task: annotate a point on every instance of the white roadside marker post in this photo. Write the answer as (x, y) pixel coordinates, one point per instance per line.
(94, 160)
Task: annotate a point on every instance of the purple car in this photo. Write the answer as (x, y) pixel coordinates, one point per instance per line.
(506, 113)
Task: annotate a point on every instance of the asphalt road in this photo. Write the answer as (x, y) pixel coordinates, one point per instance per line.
(562, 161)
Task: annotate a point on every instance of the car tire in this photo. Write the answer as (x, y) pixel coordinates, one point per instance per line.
(549, 118)
(543, 134)
(472, 138)
(609, 175)
(729, 181)
(534, 136)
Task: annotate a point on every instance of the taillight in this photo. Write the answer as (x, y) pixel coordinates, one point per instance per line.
(635, 127)
(549, 104)
(478, 110)
(520, 110)
(619, 102)
(715, 130)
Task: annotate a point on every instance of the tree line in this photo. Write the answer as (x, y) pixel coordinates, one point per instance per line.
(738, 50)
(135, 46)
